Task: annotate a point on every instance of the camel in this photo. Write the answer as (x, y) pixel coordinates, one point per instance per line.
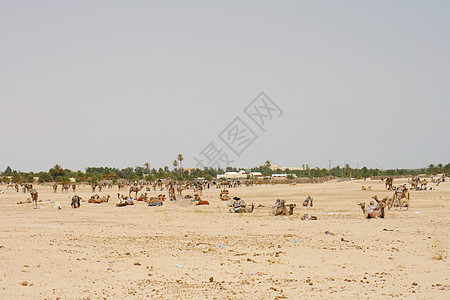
(172, 196)
(133, 189)
(239, 206)
(389, 181)
(143, 197)
(76, 201)
(386, 200)
(180, 190)
(105, 198)
(198, 189)
(28, 187)
(374, 211)
(414, 182)
(369, 188)
(94, 186)
(74, 186)
(34, 197)
(94, 199)
(55, 188)
(400, 193)
(308, 201)
(124, 201)
(284, 211)
(224, 195)
(97, 200)
(156, 201)
(65, 188)
(423, 184)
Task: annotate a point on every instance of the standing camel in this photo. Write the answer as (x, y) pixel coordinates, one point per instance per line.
(34, 197)
(65, 188)
(172, 196)
(389, 181)
(134, 189)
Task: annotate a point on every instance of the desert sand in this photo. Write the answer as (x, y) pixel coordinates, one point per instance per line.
(180, 251)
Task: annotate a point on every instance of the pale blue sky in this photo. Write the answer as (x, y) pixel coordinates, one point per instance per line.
(119, 83)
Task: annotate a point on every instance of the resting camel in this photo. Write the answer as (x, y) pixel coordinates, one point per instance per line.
(156, 201)
(423, 183)
(34, 197)
(105, 198)
(374, 211)
(308, 201)
(97, 200)
(143, 197)
(76, 201)
(172, 196)
(284, 211)
(369, 188)
(224, 195)
(94, 199)
(133, 189)
(239, 206)
(124, 201)
(389, 181)
(55, 188)
(414, 183)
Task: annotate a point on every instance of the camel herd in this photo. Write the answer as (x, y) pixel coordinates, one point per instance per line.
(376, 209)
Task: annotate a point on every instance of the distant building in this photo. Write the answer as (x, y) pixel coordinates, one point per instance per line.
(234, 175)
(256, 174)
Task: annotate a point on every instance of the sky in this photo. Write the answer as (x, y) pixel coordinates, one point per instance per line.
(121, 83)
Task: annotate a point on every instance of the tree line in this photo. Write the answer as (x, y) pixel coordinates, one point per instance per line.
(97, 174)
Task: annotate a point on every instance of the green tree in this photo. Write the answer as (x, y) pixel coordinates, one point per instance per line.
(8, 171)
(180, 159)
(56, 171)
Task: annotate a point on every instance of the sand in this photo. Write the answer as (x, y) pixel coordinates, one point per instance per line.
(186, 252)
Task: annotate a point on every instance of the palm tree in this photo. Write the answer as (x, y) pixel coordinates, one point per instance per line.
(175, 164)
(268, 164)
(147, 168)
(56, 171)
(180, 159)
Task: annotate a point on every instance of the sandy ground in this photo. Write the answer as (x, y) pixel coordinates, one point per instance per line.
(102, 251)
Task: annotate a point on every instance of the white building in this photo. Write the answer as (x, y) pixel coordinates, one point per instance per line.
(234, 175)
(256, 174)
